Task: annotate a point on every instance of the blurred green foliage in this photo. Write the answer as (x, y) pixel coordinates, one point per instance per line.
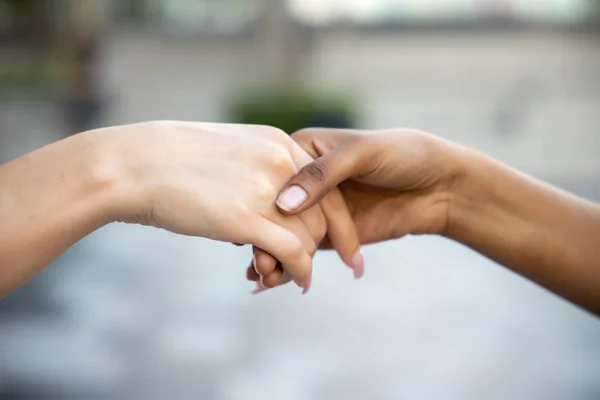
(23, 4)
(293, 110)
(29, 76)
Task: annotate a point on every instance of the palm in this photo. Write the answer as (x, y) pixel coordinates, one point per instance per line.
(382, 214)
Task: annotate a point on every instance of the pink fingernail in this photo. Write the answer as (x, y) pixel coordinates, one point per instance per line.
(260, 288)
(307, 286)
(291, 198)
(358, 265)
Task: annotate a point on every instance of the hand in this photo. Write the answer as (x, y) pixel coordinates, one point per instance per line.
(216, 181)
(408, 182)
(212, 180)
(394, 182)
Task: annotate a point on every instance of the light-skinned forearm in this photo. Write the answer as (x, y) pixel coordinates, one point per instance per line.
(540, 232)
(49, 199)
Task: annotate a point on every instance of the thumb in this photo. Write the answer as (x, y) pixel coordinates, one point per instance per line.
(315, 180)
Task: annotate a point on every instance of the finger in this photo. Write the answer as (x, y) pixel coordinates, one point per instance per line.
(251, 274)
(263, 262)
(328, 138)
(287, 248)
(274, 278)
(285, 279)
(342, 233)
(259, 288)
(317, 178)
(238, 244)
(282, 279)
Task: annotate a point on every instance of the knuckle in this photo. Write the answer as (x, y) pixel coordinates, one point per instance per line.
(277, 161)
(274, 133)
(281, 160)
(316, 171)
(263, 188)
(273, 159)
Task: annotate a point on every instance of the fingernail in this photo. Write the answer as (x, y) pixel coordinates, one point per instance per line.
(307, 286)
(259, 288)
(291, 198)
(254, 262)
(358, 264)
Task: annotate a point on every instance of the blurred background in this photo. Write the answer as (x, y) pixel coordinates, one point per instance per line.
(136, 313)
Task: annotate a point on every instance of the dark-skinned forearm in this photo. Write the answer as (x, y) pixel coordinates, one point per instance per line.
(540, 232)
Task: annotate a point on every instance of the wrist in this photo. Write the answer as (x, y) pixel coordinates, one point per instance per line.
(466, 190)
(106, 174)
(51, 198)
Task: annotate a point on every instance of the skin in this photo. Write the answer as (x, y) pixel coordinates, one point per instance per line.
(210, 180)
(401, 182)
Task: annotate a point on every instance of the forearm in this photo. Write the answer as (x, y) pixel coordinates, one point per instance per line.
(549, 236)
(49, 199)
